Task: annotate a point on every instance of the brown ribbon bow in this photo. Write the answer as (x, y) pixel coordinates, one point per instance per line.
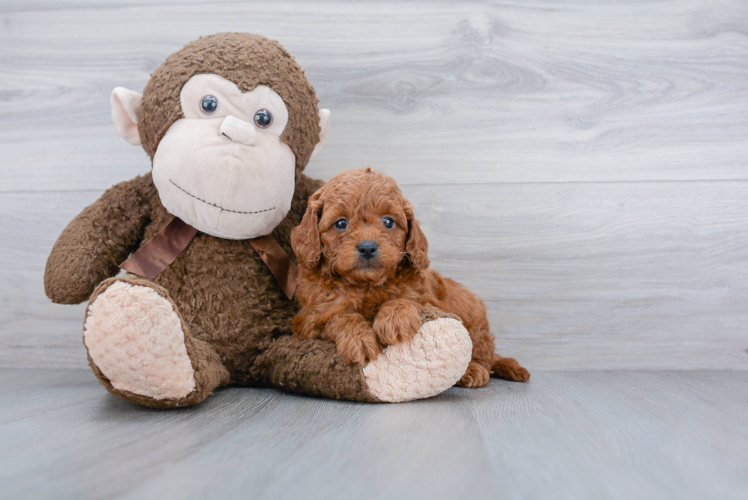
(161, 250)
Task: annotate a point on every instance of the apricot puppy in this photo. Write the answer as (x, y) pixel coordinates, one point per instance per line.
(365, 277)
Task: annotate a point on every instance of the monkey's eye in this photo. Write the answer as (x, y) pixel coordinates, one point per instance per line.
(209, 104)
(263, 118)
(341, 224)
(388, 222)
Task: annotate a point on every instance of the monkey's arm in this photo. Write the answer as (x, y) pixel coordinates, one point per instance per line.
(426, 365)
(93, 245)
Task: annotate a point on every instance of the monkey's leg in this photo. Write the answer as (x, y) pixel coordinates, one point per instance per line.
(424, 366)
(141, 349)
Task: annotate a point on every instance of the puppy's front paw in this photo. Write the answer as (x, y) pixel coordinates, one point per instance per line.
(397, 321)
(357, 347)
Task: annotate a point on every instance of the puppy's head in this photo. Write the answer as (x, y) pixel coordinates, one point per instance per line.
(360, 227)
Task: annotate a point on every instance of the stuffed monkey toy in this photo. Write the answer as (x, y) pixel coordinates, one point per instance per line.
(229, 122)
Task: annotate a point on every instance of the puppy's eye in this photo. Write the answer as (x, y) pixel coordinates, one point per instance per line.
(388, 222)
(263, 118)
(209, 104)
(341, 224)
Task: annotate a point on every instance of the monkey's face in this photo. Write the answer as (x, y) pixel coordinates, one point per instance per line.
(229, 121)
(223, 168)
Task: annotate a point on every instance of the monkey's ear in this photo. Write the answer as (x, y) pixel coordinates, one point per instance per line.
(305, 239)
(416, 244)
(324, 126)
(125, 105)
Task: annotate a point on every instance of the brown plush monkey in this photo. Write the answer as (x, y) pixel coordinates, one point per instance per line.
(229, 121)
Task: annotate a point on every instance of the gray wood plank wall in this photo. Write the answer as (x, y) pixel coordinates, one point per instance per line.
(583, 166)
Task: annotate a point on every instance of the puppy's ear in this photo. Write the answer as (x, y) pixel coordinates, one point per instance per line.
(416, 244)
(305, 239)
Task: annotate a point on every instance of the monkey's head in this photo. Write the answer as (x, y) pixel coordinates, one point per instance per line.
(229, 122)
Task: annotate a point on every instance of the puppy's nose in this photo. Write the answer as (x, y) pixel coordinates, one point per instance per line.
(238, 130)
(367, 249)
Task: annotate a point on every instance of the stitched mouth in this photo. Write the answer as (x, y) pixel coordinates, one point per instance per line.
(218, 206)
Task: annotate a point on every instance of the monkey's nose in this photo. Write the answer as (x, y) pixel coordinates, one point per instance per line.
(367, 249)
(238, 130)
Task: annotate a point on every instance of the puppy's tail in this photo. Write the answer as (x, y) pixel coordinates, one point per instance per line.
(509, 369)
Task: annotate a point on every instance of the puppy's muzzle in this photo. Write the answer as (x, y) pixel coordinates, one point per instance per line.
(367, 249)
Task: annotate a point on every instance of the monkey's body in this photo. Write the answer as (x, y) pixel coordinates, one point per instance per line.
(231, 306)
(226, 293)
(216, 315)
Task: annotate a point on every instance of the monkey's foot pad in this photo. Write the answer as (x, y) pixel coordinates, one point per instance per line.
(135, 337)
(432, 362)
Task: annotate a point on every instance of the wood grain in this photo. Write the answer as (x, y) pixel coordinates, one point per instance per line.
(615, 435)
(582, 166)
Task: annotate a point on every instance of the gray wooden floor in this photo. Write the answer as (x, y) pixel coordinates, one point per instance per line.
(581, 435)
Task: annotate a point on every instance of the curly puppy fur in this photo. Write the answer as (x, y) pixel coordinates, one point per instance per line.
(365, 277)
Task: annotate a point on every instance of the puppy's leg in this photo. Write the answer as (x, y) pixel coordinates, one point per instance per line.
(509, 369)
(306, 326)
(354, 337)
(397, 321)
(479, 369)
(485, 362)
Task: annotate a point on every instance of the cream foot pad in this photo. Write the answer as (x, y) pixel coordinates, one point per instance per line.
(136, 339)
(432, 362)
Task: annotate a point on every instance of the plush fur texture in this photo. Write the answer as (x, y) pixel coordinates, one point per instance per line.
(365, 304)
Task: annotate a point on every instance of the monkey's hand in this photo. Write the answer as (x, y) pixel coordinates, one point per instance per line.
(397, 321)
(93, 245)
